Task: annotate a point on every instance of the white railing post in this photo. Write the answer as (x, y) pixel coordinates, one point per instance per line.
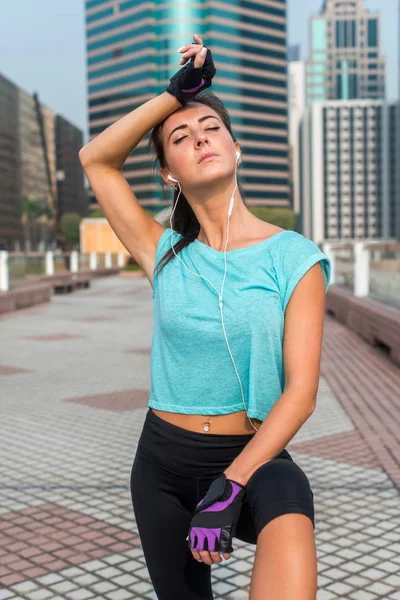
(4, 280)
(93, 261)
(49, 263)
(108, 260)
(361, 269)
(121, 260)
(74, 262)
(328, 250)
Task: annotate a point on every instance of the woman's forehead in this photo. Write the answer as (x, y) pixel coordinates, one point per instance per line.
(185, 114)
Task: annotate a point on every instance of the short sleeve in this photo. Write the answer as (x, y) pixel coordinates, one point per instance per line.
(296, 254)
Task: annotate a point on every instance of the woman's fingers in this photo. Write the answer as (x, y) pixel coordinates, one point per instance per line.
(198, 61)
(215, 557)
(190, 50)
(207, 557)
(196, 554)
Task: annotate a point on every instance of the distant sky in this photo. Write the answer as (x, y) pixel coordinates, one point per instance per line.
(42, 48)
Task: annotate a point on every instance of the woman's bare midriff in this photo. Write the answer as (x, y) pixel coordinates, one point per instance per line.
(232, 424)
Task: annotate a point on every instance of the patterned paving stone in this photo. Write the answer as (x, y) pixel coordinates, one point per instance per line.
(56, 337)
(351, 447)
(67, 529)
(6, 370)
(93, 319)
(366, 383)
(51, 537)
(116, 401)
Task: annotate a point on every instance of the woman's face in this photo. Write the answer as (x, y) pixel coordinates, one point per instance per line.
(188, 134)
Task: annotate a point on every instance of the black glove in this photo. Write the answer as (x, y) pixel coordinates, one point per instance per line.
(215, 517)
(189, 80)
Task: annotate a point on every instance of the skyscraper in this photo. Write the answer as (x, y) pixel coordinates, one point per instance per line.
(34, 151)
(296, 104)
(346, 189)
(394, 169)
(131, 55)
(345, 59)
(293, 53)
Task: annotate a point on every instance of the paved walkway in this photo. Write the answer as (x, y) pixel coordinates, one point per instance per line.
(74, 384)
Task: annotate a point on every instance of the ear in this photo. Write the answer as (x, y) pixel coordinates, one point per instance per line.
(237, 148)
(164, 174)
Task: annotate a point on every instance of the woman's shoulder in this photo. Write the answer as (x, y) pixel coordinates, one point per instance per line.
(288, 239)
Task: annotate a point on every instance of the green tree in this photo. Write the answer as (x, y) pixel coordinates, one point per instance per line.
(97, 214)
(69, 228)
(281, 217)
(37, 218)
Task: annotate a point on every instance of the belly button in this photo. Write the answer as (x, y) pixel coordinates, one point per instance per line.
(206, 426)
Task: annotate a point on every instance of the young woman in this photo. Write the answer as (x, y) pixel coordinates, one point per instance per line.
(238, 323)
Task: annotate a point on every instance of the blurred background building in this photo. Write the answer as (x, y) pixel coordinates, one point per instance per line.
(72, 197)
(37, 149)
(131, 55)
(345, 150)
(344, 136)
(296, 106)
(345, 57)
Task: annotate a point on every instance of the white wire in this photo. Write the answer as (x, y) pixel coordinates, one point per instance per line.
(219, 293)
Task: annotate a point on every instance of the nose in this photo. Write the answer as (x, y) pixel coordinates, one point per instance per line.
(201, 137)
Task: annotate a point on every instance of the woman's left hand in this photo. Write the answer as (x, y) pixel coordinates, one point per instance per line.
(215, 519)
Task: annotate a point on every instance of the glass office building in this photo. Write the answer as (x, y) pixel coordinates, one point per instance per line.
(345, 58)
(131, 55)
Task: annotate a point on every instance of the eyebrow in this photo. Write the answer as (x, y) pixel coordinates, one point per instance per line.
(199, 120)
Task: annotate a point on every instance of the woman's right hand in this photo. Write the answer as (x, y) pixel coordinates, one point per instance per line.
(195, 76)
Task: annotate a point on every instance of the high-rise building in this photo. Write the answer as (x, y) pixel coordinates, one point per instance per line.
(131, 55)
(10, 165)
(71, 195)
(345, 57)
(30, 162)
(297, 105)
(293, 53)
(345, 150)
(394, 169)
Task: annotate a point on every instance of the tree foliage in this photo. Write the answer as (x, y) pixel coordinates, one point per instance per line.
(281, 217)
(69, 227)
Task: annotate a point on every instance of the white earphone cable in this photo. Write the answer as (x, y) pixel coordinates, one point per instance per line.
(220, 294)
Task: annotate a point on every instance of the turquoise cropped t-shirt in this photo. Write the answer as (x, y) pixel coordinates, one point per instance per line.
(191, 370)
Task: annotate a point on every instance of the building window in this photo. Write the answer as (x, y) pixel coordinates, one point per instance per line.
(372, 33)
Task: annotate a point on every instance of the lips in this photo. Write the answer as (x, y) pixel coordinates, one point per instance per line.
(207, 155)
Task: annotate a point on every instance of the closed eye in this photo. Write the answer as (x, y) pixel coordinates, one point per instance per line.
(182, 138)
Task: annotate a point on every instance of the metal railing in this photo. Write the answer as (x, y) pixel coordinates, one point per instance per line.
(19, 269)
(366, 267)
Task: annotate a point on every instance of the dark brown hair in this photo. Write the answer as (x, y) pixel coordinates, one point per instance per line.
(184, 220)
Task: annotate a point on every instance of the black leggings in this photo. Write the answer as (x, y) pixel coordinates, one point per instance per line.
(172, 471)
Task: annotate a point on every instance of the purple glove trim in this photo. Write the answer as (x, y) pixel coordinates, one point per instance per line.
(213, 527)
(195, 89)
(218, 506)
(212, 536)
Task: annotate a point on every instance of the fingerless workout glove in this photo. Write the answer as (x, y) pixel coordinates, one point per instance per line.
(215, 518)
(189, 80)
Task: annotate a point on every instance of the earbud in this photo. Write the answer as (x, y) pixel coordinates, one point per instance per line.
(172, 179)
(237, 155)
